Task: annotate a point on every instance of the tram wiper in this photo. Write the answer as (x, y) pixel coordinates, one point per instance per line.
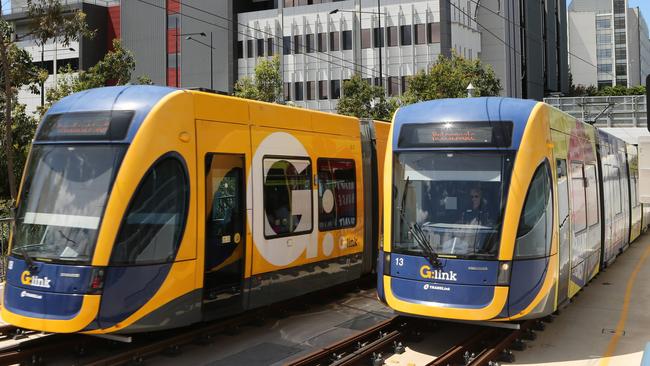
(66, 238)
(30, 262)
(417, 233)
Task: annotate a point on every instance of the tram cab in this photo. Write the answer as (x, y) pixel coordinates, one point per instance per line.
(477, 225)
(146, 208)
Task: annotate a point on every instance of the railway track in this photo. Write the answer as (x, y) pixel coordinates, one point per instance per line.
(487, 346)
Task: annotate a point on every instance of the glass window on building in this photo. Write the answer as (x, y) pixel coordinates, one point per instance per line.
(420, 34)
(365, 38)
(309, 43)
(260, 48)
(604, 53)
(322, 42)
(433, 32)
(311, 90)
(270, 46)
(621, 70)
(619, 23)
(621, 53)
(347, 40)
(249, 48)
(240, 49)
(298, 95)
(378, 37)
(393, 86)
(603, 38)
(604, 68)
(297, 44)
(322, 89)
(334, 41)
(603, 23)
(171, 61)
(173, 20)
(405, 35)
(288, 3)
(286, 45)
(405, 83)
(287, 91)
(392, 37)
(619, 38)
(335, 89)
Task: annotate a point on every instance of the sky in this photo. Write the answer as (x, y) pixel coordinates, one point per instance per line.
(644, 5)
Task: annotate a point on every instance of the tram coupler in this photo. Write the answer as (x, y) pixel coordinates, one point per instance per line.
(19, 333)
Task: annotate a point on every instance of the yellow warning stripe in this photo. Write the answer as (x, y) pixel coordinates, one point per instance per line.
(611, 347)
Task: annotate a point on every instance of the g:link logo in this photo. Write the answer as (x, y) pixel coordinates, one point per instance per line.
(426, 272)
(35, 281)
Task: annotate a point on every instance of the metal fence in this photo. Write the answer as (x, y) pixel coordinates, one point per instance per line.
(5, 225)
(620, 111)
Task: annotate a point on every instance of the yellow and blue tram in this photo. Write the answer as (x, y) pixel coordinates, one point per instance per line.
(146, 208)
(500, 209)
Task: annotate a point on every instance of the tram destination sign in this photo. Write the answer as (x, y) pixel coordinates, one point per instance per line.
(456, 134)
(85, 126)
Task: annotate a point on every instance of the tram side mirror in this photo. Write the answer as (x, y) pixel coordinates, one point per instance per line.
(644, 169)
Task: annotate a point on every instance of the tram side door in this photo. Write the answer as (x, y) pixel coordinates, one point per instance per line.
(564, 244)
(223, 149)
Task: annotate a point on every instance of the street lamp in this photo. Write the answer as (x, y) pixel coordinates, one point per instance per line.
(211, 56)
(381, 38)
(202, 34)
(43, 50)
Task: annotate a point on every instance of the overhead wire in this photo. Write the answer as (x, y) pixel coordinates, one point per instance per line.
(280, 45)
(280, 38)
(539, 40)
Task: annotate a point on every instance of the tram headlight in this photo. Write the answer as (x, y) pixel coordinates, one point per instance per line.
(96, 281)
(503, 279)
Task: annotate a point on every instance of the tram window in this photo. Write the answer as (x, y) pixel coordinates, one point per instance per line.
(592, 194)
(563, 189)
(152, 228)
(618, 200)
(287, 196)
(578, 208)
(533, 233)
(337, 197)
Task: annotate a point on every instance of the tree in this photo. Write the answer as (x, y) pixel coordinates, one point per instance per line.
(265, 85)
(22, 130)
(362, 100)
(116, 68)
(16, 71)
(449, 78)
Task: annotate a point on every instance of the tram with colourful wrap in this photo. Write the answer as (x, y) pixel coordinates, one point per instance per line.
(145, 208)
(500, 209)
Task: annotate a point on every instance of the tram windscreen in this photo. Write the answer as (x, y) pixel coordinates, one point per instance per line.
(456, 198)
(63, 200)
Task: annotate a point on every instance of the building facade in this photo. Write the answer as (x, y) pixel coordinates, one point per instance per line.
(526, 44)
(609, 43)
(323, 43)
(55, 56)
(184, 43)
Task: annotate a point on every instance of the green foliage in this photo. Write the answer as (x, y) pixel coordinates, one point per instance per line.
(115, 68)
(266, 84)
(362, 100)
(49, 21)
(592, 91)
(23, 128)
(449, 78)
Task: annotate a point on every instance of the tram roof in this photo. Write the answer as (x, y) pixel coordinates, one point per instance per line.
(483, 109)
(138, 98)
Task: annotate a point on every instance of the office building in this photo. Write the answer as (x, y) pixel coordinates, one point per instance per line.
(609, 43)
